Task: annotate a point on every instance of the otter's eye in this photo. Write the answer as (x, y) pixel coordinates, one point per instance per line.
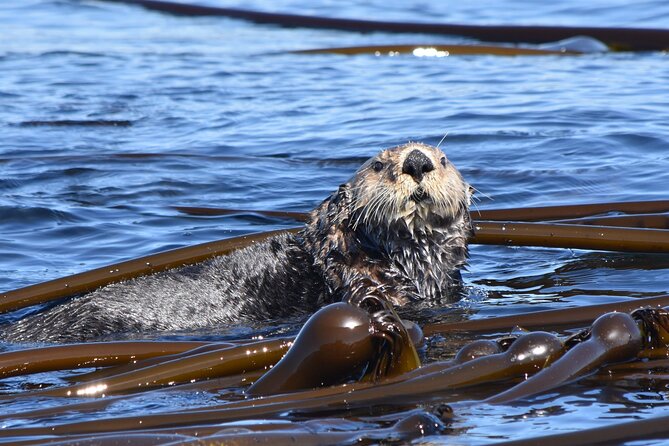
(443, 161)
(377, 166)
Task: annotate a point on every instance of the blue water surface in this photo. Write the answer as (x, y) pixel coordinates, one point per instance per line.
(218, 114)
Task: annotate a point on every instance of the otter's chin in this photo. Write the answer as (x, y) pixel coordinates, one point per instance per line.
(420, 196)
(418, 212)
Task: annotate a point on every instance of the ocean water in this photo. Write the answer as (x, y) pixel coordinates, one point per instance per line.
(216, 112)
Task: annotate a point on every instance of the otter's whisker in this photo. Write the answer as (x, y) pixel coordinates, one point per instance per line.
(377, 206)
(477, 191)
(442, 139)
(363, 210)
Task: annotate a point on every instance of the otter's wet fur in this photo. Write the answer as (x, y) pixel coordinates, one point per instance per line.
(398, 228)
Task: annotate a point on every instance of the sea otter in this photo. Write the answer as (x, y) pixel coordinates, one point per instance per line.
(397, 229)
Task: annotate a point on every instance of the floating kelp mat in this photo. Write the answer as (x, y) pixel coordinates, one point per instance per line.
(244, 391)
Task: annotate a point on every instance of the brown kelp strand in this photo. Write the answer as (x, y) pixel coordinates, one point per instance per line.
(134, 439)
(658, 377)
(473, 350)
(604, 238)
(542, 213)
(477, 349)
(223, 362)
(641, 221)
(412, 426)
(99, 404)
(202, 211)
(545, 213)
(90, 280)
(614, 337)
(614, 433)
(655, 353)
(141, 363)
(439, 50)
(97, 354)
(574, 317)
(156, 436)
(525, 355)
(633, 39)
(185, 418)
(660, 364)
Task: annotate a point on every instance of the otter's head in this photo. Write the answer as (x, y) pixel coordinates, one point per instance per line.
(413, 185)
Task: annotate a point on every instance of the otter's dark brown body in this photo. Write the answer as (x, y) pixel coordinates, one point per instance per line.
(397, 229)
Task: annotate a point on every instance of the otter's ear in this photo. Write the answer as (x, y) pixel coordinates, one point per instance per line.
(343, 189)
(339, 206)
(341, 197)
(336, 197)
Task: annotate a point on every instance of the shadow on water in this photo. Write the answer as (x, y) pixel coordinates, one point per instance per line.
(76, 123)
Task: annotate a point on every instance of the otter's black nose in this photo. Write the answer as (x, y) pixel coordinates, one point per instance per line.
(417, 164)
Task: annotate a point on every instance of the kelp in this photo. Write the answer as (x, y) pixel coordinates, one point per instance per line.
(146, 362)
(572, 227)
(613, 337)
(622, 39)
(612, 433)
(96, 354)
(578, 316)
(551, 361)
(338, 341)
(548, 213)
(541, 213)
(414, 424)
(88, 405)
(348, 356)
(90, 280)
(218, 362)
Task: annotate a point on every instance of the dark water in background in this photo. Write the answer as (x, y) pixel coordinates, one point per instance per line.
(219, 118)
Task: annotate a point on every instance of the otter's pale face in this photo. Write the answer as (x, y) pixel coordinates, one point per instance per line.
(414, 183)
